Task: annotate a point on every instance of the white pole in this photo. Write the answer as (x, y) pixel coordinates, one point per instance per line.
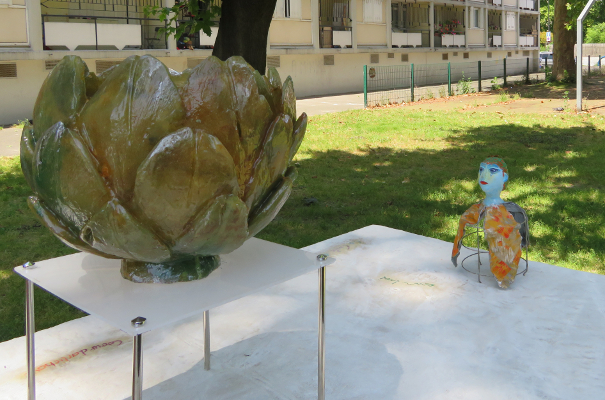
(579, 55)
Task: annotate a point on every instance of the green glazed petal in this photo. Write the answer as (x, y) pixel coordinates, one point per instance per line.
(93, 82)
(275, 87)
(262, 215)
(208, 96)
(274, 79)
(186, 171)
(66, 177)
(264, 89)
(289, 98)
(62, 96)
(135, 108)
(253, 111)
(277, 146)
(220, 229)
(259, 182)
(299, 133)
(114, 231)
(272, 161)
(28, 148)
(59, 229)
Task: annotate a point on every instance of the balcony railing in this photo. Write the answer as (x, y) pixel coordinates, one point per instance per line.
(494, 38)
(118, 6)
(528, 40)
(101, 33)
(412, 37)
(112, 33)
(528, 4)
(336, 37)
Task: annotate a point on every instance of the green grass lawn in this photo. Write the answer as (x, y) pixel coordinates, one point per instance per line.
(410, 170)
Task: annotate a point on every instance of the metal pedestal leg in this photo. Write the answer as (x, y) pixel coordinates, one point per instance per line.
(321, 354)
(137, 368)
(30, 330)
(207, 340)
(478, 258)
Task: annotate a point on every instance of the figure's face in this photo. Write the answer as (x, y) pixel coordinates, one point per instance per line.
(492, 179)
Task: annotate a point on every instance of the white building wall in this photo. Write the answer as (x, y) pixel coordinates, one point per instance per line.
(18, 95)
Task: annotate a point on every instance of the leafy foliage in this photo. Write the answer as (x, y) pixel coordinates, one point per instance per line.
(595, 16)
(464, 85)
(595, 34)
(201, 14)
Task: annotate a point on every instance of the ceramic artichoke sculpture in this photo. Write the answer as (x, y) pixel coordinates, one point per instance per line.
(165, 171)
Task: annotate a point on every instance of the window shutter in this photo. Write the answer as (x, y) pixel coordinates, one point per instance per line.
(279, 9)
(372, 11)
(295, 9)
(510, 21)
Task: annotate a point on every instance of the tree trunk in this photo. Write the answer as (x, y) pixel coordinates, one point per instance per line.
(563, 46)
(243, 31)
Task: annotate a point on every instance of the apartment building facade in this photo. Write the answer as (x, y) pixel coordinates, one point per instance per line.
(322, 44)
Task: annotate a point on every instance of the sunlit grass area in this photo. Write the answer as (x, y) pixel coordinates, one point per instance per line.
(417, 171)
(409, 170)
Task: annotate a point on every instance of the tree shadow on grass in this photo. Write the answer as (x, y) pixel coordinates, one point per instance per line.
(594, 89)
(557, 174)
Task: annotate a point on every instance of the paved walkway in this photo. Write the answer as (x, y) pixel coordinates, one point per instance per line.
(329, 104)
(9, 141)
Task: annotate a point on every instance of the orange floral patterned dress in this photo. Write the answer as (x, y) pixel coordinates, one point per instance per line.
(503, 238)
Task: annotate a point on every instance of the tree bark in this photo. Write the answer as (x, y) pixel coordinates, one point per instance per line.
(563, 46)
(243, 31)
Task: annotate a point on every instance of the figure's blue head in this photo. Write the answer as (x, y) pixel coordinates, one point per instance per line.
(493, 176)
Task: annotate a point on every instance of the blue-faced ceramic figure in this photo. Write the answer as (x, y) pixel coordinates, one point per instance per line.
(504, 223)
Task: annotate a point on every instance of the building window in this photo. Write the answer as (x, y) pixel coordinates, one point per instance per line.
(404, 58)
(476, 18)
(372, 11)
(444, 56)
(374, 58)
(391, 55)
(287, 9)
(466, 55)
(510, 54)
(489, 54)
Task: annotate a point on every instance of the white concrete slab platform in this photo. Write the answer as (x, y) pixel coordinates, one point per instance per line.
(94, 284)
(401, 323)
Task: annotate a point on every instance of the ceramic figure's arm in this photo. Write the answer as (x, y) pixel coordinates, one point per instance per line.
(470, 216)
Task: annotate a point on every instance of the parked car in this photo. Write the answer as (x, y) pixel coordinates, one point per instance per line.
(545, 58)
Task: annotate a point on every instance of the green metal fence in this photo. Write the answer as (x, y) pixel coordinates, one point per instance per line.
(397, 84)
(593, 65)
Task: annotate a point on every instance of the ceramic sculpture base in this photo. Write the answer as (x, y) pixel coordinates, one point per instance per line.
(188, 269)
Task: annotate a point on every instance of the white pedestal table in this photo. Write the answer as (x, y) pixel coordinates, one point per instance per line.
(94, 285)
